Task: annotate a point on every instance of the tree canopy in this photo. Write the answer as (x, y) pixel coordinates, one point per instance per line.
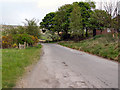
(48, 21)
(76, 20)
(32, 27)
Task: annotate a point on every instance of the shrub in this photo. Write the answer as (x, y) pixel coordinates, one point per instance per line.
(14, 45)
(21, 38)
(35, 40)
(7, 41)
(14, 40)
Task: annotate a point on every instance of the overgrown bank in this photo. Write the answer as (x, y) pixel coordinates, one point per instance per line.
(102, 45)
(14, 62)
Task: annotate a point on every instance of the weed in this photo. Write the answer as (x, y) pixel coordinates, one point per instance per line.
(14, 62)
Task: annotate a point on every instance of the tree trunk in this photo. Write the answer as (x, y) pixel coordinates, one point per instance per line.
(66, 34)
(86, 32)
(101, 31)
(94, 32)
(118, 30)
(58, 33)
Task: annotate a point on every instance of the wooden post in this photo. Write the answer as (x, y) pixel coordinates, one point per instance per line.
(27, 44)
(19, 46)
(24, 45)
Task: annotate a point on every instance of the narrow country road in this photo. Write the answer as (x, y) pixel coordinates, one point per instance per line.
(61, 67)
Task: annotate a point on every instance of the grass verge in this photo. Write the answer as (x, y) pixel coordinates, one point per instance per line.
(14, 62)
(102, 45)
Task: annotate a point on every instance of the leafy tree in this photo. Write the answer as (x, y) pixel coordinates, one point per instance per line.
(50, 25)
(48, 21)
(98, 20)
(76, 26)
(86, 11)
(32, 27)
(57, 21)
(21, 30)
(115, 23)
(62, 20)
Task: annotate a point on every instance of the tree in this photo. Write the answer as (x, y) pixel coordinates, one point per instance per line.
(50, 25)
(62, 20)
(116, 23)
(21, 30)
(76, 21)
(98, 20)
(48, 21)
(112, 9)
(32, 27)
(86, 10)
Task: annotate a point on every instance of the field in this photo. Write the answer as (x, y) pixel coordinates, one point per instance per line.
(102, 45)
(14, 62)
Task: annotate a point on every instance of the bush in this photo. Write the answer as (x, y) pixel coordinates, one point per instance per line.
(35, 40)
(14, 40)
(14, 45)
(21, 38)
(7, 41)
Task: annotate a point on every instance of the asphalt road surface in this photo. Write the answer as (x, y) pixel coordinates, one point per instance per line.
(62, 67)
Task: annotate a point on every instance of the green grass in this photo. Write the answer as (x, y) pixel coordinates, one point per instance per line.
(102, 45)
(14, 62)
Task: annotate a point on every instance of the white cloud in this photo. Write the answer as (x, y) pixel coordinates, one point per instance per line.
(17, 1)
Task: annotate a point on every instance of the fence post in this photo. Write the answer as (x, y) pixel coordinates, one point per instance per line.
(27, 44)
(19, 46)
(24, 45)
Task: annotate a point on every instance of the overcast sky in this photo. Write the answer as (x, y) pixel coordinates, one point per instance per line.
(14, 12)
